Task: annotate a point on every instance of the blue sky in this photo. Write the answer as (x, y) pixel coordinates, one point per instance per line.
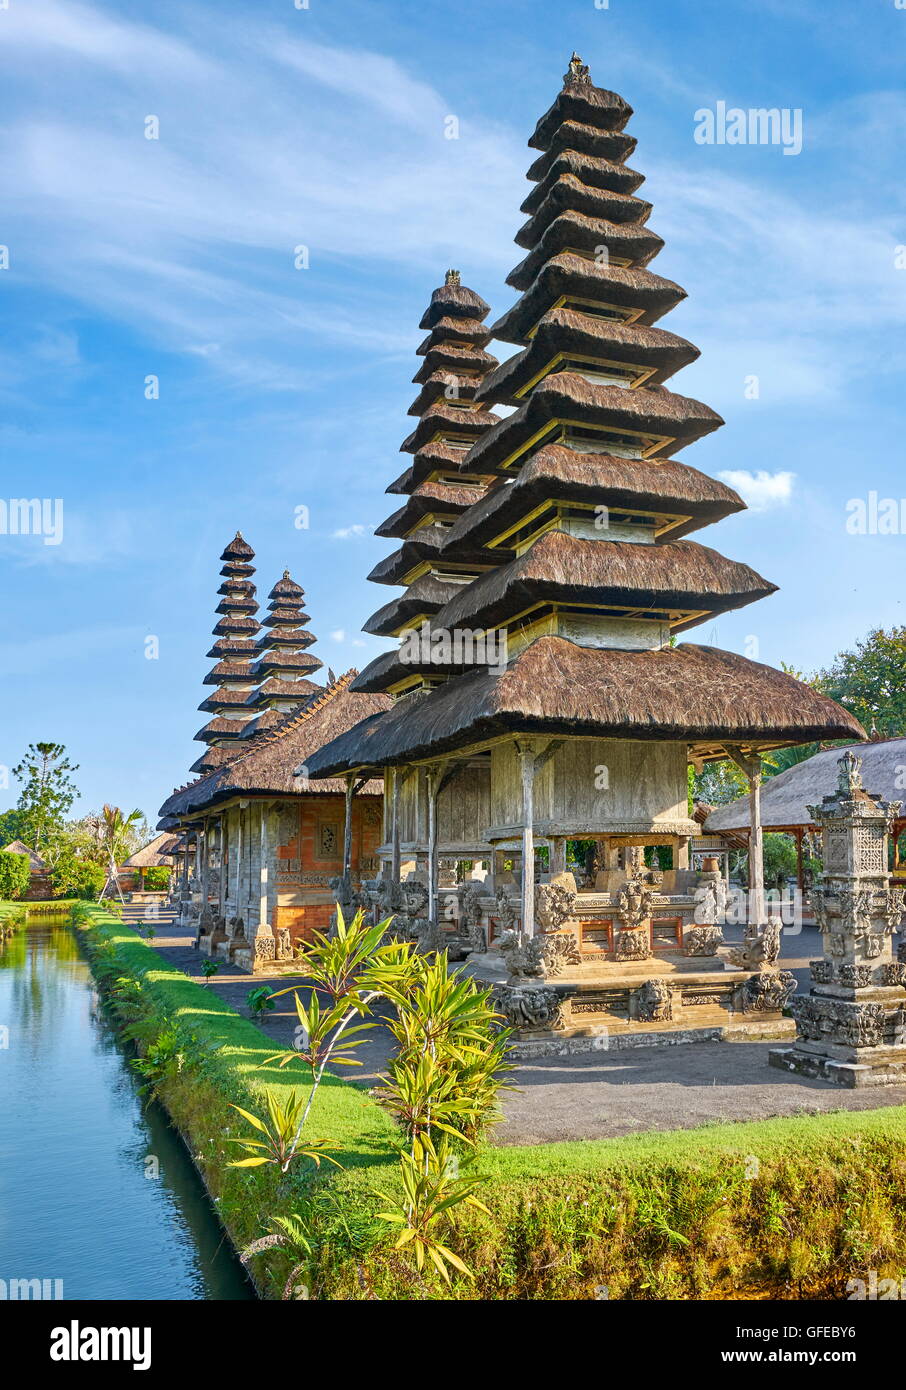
(283, 388)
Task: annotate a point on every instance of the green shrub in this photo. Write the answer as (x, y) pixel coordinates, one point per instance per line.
(15, 875)
(157, 879)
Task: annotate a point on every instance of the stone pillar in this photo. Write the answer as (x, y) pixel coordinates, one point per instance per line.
(264, 944)
(527, 767)
(851, 1027)
(557, 856)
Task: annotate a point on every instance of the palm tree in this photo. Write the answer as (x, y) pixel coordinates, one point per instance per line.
(114, 831)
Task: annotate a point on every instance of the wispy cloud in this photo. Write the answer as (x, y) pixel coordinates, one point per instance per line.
(761, 490)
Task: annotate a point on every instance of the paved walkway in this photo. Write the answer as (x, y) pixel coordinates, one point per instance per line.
(598, 1095)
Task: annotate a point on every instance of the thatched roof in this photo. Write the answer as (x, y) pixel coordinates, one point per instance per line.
(157, 853)
(233, 646)
(233, 603)
(227, 670)
(585, 104)
(556, 472)
(454, 357)
(445, 418)
(286, 660)
(566, 396)
(226, 699)
(442, 387)
(238, 549)
(573, 135)
(434, 457)
(573, 333)
(561, 568)
(438, 498)
(425, 544)
(686, 693)
(227, 626)
(568, 193)
(453, 301)
(590, 170)
(268, 765)
(785, 799)
(469, 331)
(36, 864)
(424, 596)
(567, 274)
(574, 231)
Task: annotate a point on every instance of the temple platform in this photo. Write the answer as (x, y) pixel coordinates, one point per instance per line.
(875, 1066)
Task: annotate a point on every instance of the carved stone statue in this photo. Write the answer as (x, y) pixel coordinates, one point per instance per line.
(532, 1007)
(702, 941)
(760, 946)
(767, 992)
(472, 918)
(654, 1002)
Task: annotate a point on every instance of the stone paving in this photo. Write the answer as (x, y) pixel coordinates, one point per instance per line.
(595, 1095)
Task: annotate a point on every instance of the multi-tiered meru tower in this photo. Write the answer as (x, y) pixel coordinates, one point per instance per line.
(283, 664)
(577, 557)
(234, 651)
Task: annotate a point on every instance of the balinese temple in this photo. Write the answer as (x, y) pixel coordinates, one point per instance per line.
(579, 552)
(261, 848)
(234, 651)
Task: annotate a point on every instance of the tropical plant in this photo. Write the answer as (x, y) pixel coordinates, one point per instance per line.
(431, 1189)
(281, 1130)
(15, 875)
(157, 878)
(115, 833)
(209, 967)
(163, 1056)
(259, 1001)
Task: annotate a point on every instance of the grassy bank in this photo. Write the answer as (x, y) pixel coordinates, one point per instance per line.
(788, 1208)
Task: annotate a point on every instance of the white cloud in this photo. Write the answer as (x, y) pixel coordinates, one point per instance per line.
(346, 533)
(338, 636)
(762, 490)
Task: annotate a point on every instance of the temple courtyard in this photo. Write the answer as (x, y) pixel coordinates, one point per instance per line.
(592, 1095)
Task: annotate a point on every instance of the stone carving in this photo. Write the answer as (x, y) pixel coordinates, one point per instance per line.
(538, 956)
(265, 947)
(471, 916)
(559, 949)
(767, 992)
(505, 912)
(348, 898)
(760, 946)
(838, 1021)
(284, 944)
(577, 74)
(892, 908)
(823, 972)
(901, 951)
(854, 976)
(633, 944)
(654, 1002)
(894, 973)
(529, 1006)
(634, 903)
(702, 941)
(555, 902)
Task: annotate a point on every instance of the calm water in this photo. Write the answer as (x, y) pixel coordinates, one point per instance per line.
(75, 1140)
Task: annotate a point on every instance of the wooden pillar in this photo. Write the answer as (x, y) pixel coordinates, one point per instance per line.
(224, 865)
(750, 764)
(431, 785)
(347, 828)
(527, 766)
(395, 827)
(198, 857)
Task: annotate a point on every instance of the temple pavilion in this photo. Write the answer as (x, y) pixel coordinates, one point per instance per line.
(577, 555)
(260, 846)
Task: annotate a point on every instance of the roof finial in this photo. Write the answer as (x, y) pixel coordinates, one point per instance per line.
(286, 574)
(577, 73)
(452, 277)
(238, 536)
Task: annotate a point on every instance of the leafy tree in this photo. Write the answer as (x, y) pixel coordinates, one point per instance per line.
(15, 875)
(73, 876)
(47, 793)
(870, 681)
(11, 826)
(157, 877)
(116, 835)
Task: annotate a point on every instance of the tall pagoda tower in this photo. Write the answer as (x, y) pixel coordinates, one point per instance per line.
(577, 553)
(437, 486)
(234, 650)
(283, 663)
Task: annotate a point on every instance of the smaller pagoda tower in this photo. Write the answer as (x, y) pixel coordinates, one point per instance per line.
(438, 489)
(234, 650)
(283, 663)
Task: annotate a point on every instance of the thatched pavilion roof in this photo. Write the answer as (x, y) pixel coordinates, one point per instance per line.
(576, 231)
(157, 853)
(36, 864)
(587, 138)
(267, 766)
(591, 170)
(424, 596)
(687, 692)
(785, 799)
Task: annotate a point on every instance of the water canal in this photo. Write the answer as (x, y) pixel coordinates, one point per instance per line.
(96, 1189)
